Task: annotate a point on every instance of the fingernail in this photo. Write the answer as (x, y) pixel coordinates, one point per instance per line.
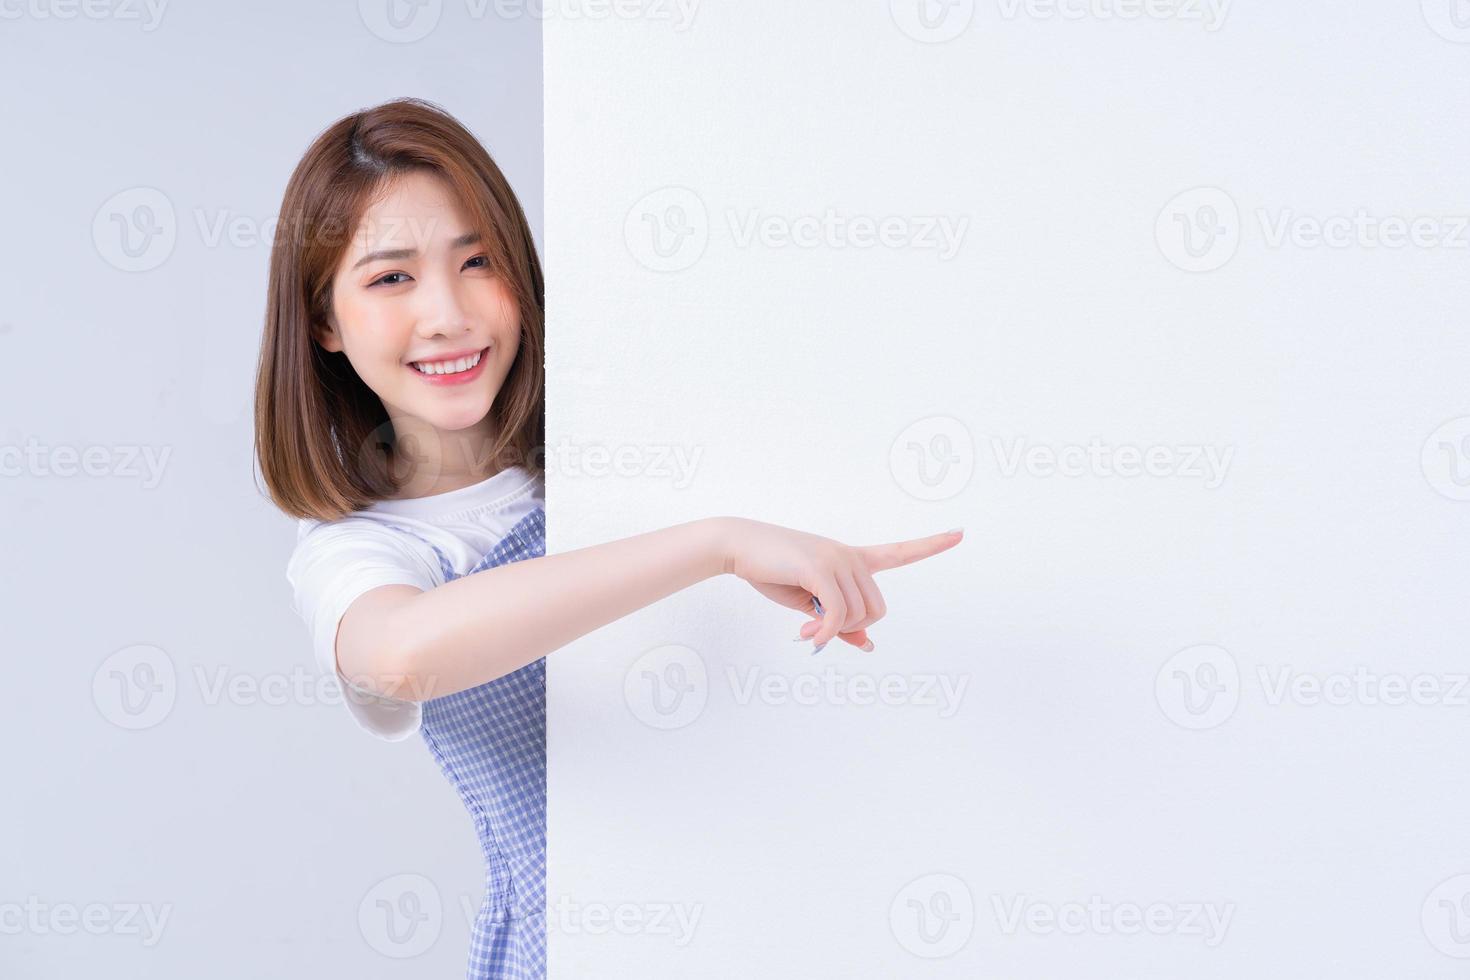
(799, 638)
(867, 647)
(955, 530)
(818, 648)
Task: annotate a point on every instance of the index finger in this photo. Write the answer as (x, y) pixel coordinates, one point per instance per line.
(883, 556)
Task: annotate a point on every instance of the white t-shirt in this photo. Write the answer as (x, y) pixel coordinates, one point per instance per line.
(336, 561)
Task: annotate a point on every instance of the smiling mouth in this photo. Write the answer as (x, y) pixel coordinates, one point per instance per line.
(450, 368)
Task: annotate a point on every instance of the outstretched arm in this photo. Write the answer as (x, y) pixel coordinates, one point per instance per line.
(412, 644)
(407, 643)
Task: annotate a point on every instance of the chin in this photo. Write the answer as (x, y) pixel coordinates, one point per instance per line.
(454, 422)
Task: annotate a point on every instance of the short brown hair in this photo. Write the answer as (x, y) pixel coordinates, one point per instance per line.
(323, 439)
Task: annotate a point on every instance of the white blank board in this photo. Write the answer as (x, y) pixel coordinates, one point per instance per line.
(1164, 303)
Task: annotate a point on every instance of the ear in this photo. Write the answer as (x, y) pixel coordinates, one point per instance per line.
(327, 335)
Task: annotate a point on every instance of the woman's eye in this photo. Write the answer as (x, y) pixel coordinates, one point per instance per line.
(394, 278)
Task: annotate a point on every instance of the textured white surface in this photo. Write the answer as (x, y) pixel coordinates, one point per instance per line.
(804, 835)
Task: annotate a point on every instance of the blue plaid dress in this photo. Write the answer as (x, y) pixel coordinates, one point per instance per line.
(490, 741)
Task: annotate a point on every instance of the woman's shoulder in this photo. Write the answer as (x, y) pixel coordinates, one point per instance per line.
(355, 525)
(425, 526)
(357, 537)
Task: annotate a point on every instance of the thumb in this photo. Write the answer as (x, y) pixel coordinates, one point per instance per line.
(858, 638)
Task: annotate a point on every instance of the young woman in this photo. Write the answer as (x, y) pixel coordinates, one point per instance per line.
(399, 418)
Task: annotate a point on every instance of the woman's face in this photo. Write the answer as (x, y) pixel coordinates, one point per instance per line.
(413, 292)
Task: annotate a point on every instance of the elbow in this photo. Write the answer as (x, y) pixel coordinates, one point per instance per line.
(402, 683)
(402, 675)
(389, 668)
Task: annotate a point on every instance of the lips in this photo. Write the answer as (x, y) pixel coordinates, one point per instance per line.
(448, 363)
(470, 364)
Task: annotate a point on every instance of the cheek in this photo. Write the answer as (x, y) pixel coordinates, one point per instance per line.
(369, 331)
(499, 304)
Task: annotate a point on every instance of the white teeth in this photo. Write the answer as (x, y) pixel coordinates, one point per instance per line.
(448, 367)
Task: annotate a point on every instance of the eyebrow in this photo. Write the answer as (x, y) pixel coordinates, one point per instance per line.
(469, 238)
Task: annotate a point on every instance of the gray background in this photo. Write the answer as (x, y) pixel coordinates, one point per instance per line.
(261, 828)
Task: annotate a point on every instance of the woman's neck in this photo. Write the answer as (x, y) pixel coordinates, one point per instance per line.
(429, 461)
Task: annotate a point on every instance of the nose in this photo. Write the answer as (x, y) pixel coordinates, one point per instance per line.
(443, 312)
